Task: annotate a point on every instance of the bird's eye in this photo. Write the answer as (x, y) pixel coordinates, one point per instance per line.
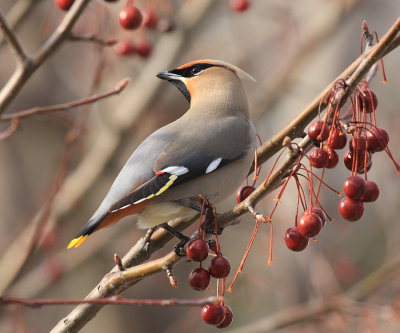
(195, 70)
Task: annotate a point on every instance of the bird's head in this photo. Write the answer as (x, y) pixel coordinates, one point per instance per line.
(203, 77)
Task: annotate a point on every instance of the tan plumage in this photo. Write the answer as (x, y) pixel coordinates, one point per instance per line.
(207, 152)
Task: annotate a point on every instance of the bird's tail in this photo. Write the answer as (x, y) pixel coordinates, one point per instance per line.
(91, 226)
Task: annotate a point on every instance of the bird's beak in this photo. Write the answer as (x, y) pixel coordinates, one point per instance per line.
(168, 76)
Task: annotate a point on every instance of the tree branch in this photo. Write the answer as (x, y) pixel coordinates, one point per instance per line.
(29, 66)
(65, 106)
(114, 300)
(13, 41)
(115, 282)
(92, 38)
(16, 14)
(309, 311)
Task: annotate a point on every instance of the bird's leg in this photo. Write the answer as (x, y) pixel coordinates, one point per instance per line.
(184, 239)
(210, 221)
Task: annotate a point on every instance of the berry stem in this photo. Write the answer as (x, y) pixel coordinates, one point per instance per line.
(246, 253)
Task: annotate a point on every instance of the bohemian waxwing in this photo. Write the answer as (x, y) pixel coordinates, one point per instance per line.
(207, 152)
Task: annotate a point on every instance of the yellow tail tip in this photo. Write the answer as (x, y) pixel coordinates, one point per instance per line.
(77, 241)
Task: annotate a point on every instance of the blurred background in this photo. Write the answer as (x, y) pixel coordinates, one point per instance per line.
(50, 186)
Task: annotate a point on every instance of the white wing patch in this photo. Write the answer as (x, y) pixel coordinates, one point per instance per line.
(176, 170)
(213, 165)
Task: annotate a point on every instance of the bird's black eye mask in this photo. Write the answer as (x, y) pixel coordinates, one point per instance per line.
(192, 71)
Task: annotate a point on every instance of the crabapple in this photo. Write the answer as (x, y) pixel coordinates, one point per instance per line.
(351, 210)
(197, 250)
(294, 240)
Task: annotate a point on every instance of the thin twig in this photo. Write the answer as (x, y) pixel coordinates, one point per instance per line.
(17, 12)
(13, 41)
(92, 38)
(113, 300)
(60, 107)
(308, 311)
(10, 130)
(23, 73)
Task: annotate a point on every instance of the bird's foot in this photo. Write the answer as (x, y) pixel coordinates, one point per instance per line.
(178, 248)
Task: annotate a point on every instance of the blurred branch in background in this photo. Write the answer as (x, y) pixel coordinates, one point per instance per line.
(16, 14)
(30, 236)
(26, 65)
(102, 150)
(314, 310)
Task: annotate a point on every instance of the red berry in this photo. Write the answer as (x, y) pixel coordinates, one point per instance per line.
(372, 192)
(124, 48)
(351, 210)
(309, 224)
(319, 158)
(354, 187)
(228, 317)
(319, 212)
(294, 240)
(130, 17)
(243, 192)
(64, 4)
(358, 144)
(220, 267)
(240, 5)
(150, 18)
(144, 48)
(337, 139)
(333, 158)
(199, 278)
(197, 250)
(377, 139)
(213, 314)
(318, 132)
(348, 162)
(368, 101)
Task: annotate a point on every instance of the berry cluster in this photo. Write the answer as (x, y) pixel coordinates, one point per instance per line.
(330, 135)
(309, 225)
(366, 139)
(132, 18)
(219, 314)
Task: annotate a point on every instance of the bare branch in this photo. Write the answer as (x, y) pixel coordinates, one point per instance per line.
(92, 38)
(20, 76)
(114, 300)
(61, 107)
(13, 41)
(306, 312)
(17, 13)
(10, 130)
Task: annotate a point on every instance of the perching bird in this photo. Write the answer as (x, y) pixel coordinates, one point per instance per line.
(207, 152)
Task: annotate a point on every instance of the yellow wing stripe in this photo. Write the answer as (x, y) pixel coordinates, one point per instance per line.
(77, 241)
(172, 178)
